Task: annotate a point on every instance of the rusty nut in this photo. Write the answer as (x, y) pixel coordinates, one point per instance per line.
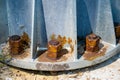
(15, 44)
(54, 46)
(117, 31)
(92, 43)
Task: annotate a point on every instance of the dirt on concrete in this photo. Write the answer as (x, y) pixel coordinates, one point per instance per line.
(108, 70)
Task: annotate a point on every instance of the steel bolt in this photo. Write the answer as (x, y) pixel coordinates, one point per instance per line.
(92, 43)
(117, 31)
(54, 46)
(15, 44)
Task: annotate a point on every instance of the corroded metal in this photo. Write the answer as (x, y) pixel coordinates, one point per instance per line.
(56, 19)
(20, 20)
(117, 30)
(15, 43)
(4, 29)
(58, 66)
(101, 19)
(39, 22)
(115, 10)
(61, 21)
(92, 43)
(54, 47)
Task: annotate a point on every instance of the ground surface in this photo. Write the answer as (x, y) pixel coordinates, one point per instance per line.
(108, 70)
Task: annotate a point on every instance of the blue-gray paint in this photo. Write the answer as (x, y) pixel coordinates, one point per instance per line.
(104, 22)
(83, 21)
(40, 24)
(92, 8)
(3, 21)
(116, 10)
(60, 19)
(19, 14)
(39, 31)
(101, 19)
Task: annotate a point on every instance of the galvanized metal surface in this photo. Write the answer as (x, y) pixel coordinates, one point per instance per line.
(83, 20)
(115, 10)
(58, 66)
(109, 69)
(43, 18)
(3, 21)
(20, 20)
(100, 14)
(92, 8)
(39, 22)
(104, 22)
(60, 19)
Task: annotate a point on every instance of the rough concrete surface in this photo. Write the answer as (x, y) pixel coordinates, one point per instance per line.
(108, 70)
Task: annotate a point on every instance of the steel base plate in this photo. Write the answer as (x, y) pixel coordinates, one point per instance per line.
(83, 61)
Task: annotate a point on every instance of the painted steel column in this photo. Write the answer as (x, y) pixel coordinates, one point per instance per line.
(39, 36)
(39, 22)
(92, 8)
(3, 21)
(83, 20)
(115, 4)
(20, 17)
(60, 19)
(104, 22)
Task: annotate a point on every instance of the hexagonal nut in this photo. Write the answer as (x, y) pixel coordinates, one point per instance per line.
(117, 31)
(92, 43)
(54, 46)
(15, 44)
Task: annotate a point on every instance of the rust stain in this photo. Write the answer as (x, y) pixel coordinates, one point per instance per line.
(61, 53)
(92, 43)
(93, 55)
(64, 40)
(43, 58)
(54, 46)
(23, 55)
(117, 29)
(57, 52)
(18, 43)
(25, 37)
(69, 40)
(41, 66)
(53, 36)
(61, 39)
(63, 56)
(15, 44)
(72, 48)
(25, 40)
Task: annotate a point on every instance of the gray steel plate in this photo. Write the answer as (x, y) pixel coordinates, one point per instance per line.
(28, 63)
